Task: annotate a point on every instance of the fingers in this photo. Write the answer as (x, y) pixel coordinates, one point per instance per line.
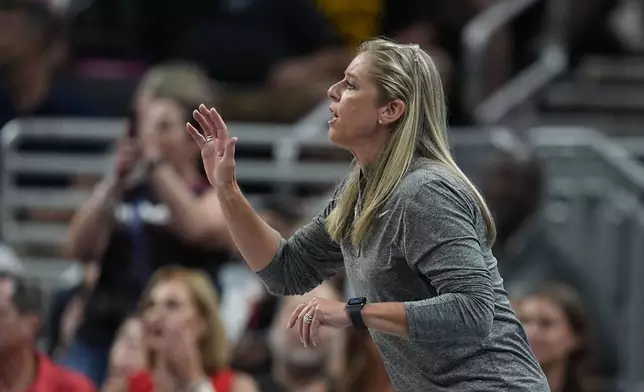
(229, 151)
(203, 118)
(304, 327)
(318, 317)
(198, 137)
(295, 315)
(218, 123)
(221, 133)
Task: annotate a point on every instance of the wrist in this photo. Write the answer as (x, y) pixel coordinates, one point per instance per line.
(227, 191)
(354, 309)
(109, 187)
(153, 162)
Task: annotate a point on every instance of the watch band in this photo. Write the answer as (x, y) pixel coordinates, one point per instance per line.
(354, 309)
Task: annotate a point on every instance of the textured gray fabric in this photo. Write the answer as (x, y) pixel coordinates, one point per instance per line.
(427, 249)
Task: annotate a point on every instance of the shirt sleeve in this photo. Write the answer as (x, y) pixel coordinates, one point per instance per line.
(441, 241)
(306, 259)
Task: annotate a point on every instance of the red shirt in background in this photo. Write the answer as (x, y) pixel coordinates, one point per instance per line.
(143, 382)
(54, 378)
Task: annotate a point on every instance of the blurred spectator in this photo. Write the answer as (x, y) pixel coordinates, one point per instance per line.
(9, 261)
(21, 367)
(67, 311)
(187, 81)
(527, 254)
(304, 369)
(558, 330)
(251, 353)
(365, 369)
(128, 356)
(185, 337)
(155, 208)
(244, 42)
(32, 47)
(513, 185)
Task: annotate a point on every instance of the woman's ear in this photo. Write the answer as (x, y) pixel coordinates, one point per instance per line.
(392, 112)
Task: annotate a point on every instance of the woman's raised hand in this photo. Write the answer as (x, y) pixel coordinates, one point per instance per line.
(217, 148)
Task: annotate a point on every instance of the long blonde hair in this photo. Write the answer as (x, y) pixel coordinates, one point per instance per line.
(407, 73)
(213, 346)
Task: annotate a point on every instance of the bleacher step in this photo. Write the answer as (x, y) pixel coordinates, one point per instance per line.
(614, 70)
(624, 125)
(603, 97)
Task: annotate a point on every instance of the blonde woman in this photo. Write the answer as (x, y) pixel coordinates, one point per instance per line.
(184, 337)
(154, 208)
(411, 230)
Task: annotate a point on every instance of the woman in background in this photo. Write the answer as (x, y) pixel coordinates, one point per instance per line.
(185, 338)
(556, 324)
(155, 208)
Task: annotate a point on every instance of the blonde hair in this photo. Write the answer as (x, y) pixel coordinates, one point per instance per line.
(183, 81)
(407, 73)
(213, 345)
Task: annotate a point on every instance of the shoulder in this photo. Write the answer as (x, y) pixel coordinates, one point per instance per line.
(66, 380)
(430, 182)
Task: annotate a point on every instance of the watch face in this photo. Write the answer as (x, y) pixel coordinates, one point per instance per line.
(356, 301)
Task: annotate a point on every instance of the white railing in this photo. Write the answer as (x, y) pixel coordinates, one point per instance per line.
(552, 59)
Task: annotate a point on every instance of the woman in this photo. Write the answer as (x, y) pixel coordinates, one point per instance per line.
(365, 370)
(411, 231)
(185, 337)
(557, 328)
(155, 208)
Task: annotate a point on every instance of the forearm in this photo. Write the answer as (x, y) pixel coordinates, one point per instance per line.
(255, 239)
(186, 214)
(387, 317)
(91, 225)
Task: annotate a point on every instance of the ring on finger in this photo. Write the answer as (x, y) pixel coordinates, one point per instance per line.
(209, 138)
(308, 319)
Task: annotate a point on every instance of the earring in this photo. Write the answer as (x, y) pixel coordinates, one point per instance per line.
(380, 121)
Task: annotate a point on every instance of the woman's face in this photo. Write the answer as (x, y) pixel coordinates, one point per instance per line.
(171, 308)
(549, 331)
(128, 352)
(163, 124)
(355, 108)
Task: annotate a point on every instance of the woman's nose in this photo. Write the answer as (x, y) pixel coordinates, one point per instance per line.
(333, 93)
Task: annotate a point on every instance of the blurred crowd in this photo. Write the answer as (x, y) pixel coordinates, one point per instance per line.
(270, 60)
(165, 299)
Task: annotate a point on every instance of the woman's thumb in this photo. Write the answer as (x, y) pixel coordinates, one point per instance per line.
(229, 151)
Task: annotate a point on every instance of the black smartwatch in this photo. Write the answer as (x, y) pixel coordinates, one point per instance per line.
(354, 308)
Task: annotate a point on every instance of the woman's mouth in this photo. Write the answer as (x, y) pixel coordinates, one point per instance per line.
(335, 116)
(157, 332)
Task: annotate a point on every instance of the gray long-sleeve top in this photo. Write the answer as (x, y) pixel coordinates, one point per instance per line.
(427, 249)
